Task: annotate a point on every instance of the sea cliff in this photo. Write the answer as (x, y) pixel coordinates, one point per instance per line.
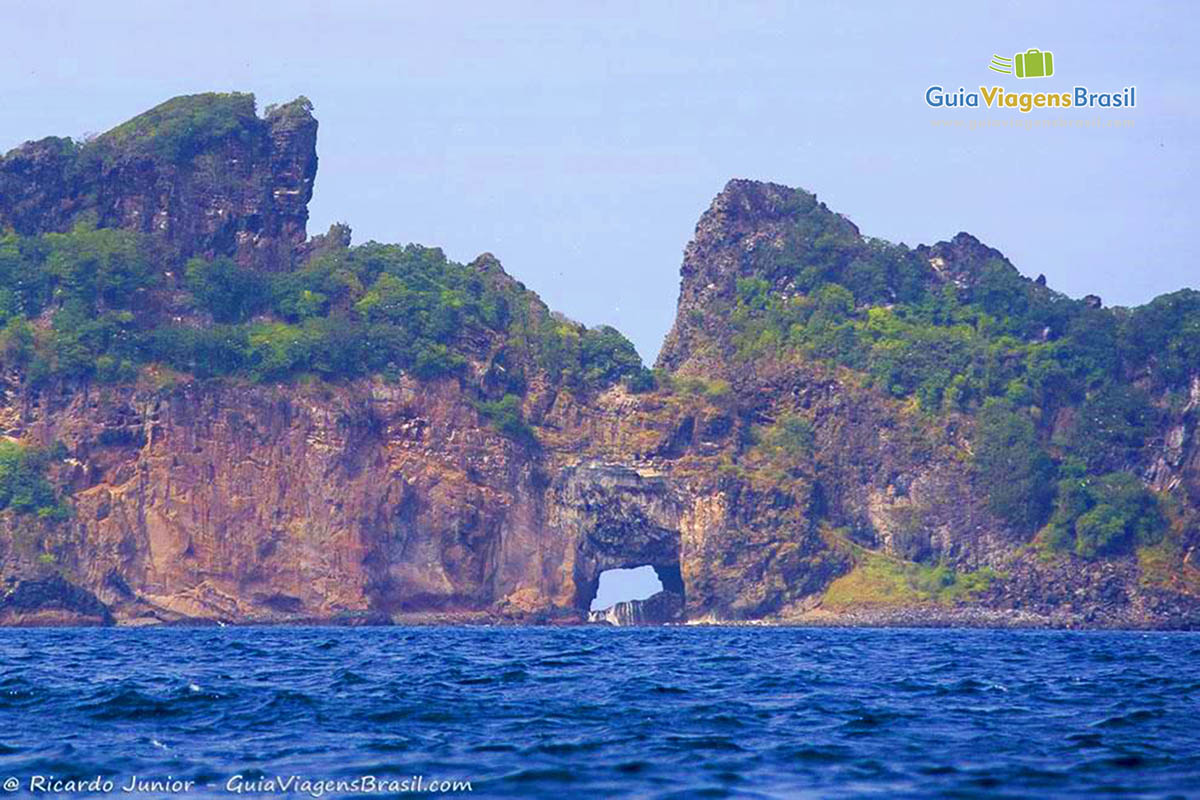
(212, 417)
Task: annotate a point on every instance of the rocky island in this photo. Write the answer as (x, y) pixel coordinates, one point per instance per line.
(209, 416)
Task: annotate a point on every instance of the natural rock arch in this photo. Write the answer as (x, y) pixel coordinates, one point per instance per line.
(619, 519)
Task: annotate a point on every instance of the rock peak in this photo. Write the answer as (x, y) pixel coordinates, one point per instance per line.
(747, 201)
(734, 238)
(487, 263)
(767, 231)
(962, 259)
(204, 172)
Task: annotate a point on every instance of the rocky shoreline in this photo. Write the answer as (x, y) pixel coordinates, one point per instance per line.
(54, 602)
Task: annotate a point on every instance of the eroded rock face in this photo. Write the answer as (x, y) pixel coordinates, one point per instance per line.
(279, 503)
(51, 601)
(260, 503)
(620, 519)
(227, 183)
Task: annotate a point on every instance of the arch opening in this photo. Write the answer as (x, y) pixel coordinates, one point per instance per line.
(649, 594)
(622, 585)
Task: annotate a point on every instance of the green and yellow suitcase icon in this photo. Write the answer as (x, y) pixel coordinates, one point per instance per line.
(1034, 63)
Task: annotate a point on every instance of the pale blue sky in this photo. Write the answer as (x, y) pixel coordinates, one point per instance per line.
(625, 584)
(580, 141)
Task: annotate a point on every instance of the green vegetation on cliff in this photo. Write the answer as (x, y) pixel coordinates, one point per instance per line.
(1050, 381)
(98, 304)
(1102, 515)
(878, 579)
(180, 127)
(118, 286)
(1010, 459)
(23, 484)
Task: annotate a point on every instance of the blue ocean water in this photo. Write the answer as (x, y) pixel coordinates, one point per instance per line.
(598, 712)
